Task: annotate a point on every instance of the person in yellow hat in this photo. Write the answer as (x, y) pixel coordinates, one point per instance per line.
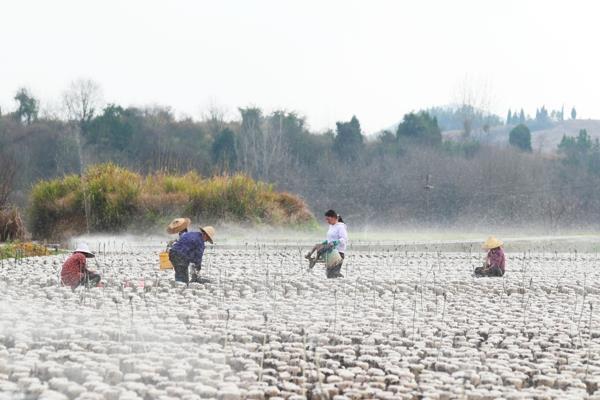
(495, 262)
(179, 226)
(189, 250)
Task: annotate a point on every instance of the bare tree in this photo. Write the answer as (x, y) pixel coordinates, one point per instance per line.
(82, 100)
(214, 117)
(273, 151)
(472, 97)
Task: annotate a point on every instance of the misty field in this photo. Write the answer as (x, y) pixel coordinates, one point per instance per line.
(404, 323)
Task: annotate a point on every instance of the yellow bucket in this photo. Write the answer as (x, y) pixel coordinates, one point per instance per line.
(165, 263)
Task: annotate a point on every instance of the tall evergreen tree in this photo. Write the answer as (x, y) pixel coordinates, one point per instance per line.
(349, 140)
(561, 116)
(420, 128)
(520, 137)
(223, 150)
(28, 108)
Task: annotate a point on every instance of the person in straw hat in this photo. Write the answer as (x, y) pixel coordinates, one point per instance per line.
(74, 271)
(179, 226)
(495, 261)
(188, 250)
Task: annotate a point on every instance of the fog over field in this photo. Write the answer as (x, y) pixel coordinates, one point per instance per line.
(403, 323)
(277, 200)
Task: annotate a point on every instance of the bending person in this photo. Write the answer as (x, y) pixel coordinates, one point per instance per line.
(189, 249)
(337, 238)
(495, 262)
(74, 271)
(178, 226)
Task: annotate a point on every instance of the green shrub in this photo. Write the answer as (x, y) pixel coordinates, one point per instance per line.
(56, 204)
(112, 193)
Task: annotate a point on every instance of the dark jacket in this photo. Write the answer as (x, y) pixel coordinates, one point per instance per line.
(190, 246)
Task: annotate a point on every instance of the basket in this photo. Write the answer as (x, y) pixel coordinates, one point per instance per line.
(165, 263)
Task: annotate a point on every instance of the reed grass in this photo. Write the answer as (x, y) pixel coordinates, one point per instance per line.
(19, 250)
(119, 199)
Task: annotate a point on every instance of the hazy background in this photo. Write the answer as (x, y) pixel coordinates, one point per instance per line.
(326, 60)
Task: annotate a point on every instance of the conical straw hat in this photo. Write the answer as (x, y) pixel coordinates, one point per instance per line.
(210, 232)
(178, 224)
(492, 243)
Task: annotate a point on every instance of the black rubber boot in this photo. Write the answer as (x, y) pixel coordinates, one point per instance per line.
(335, 272)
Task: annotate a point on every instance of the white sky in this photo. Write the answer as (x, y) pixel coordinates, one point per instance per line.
(327, 60)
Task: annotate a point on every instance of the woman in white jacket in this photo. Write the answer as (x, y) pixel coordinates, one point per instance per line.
(337, 238)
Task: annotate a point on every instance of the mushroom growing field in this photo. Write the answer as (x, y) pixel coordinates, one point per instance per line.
(403, 323)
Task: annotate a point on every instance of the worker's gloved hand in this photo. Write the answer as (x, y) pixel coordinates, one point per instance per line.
(329, 246)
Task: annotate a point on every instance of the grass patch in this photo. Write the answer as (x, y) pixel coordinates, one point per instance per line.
(117, 199)
(23, 249)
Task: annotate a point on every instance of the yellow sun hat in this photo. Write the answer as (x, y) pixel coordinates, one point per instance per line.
(210, 232)
(178, 224)
(492, 243)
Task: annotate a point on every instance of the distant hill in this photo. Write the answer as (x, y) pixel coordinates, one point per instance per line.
(543, 140)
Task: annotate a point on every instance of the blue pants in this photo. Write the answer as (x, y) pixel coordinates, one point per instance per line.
(180, 266)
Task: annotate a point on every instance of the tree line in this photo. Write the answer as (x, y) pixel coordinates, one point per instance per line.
(543, 118)
(407, 175)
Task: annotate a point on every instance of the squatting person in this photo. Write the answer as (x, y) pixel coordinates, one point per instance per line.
(74, 271)
(337, 238)
(188, 250)
(495, 262)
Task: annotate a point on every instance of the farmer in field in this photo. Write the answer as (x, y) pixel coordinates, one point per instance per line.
(188, 250)
(337, 239)
(495, 261)
(178, 226)
(74, 271)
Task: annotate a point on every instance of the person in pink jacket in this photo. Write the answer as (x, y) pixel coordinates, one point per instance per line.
(495, 262)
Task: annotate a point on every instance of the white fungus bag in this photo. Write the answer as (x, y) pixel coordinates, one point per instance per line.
(332, 258)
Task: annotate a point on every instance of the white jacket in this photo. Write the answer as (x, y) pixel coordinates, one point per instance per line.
(340, 233)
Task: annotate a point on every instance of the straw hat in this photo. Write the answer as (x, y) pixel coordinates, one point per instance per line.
(178, 224)
(85, 249)
(492, 243)
(210, 232)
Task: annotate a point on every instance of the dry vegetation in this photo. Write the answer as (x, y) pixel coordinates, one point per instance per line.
(11, 225)
(19, 250)
(116, 199)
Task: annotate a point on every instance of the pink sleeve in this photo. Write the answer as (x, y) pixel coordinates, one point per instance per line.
(496, 258)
